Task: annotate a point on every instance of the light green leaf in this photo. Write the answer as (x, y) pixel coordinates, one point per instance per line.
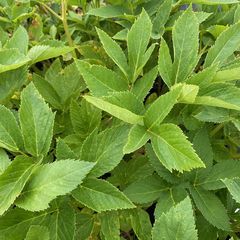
(177, 223)
(43, 52)
(114, 51)
(143, 85)
(36, 120)
(227, 75)
(173, 149)
(101, 81)
(225, 45)
(52, 180)
(13, 180)
(185, 44)
(108, 11)
(110, 225)
(19, 40)
(161, 108)
(211, 208)
(4, 161)
(233, 186)
(100, 195)
(146, 190)
(37, 232)
(118, 112)
(188, 93)
(141, 224)
(137, 137)
(165, 65)
(63, 151)
(11, 59)
(108, 149)
(84, 118)
(10, 135)
(137, 41)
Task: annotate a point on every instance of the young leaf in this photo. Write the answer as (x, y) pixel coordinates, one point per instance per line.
(13, 180)
(19, 40)
(36, 120)
(161, 108)
(37, 232)
(110, 225)
(211, 208)
(114, 51)
(137, 137)
(233, 186)
(119, 112)
(10, 135)
(165, 65)
(84, 118)
(177, 223)
(101, 81)
(225, 45)
(146, 190)
(52, 180)
(173, 149)
(227, 75)
(11, 59)
(4, 161)
(43, 52)
(108, 149)
(143, 85)
(185, 44)
(100, 196)
(137, 41)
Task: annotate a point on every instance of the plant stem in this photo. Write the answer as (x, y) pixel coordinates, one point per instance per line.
(216, 129)
(65, 25)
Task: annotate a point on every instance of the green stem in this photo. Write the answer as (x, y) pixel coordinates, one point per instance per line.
(65, 25)
(216, 129)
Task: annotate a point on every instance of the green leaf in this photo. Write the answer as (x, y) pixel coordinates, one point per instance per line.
(114, 51)
(36, 120)
(10, 82)
(177, 223)
(165, 65)
(101, 81)
(185, 44)
(108, 149)
(13, 180)
(43, 52)
(211, 2)
(10, 135)
(161, 108)
(137, 137)
(118, 112)
(173, 149)
(19, 40)
(137, 42)
(108, 11)
(84, 225)
(143, 85)
(4, 161)
(52, 180)
(37, 232)
(227, 75)
(188, 93)
(225, 45)
(100, 195)
(161, 18)
(141, 224)
(211, 180)
(63, 151)
(146, 190)
(84, 118)
(233, 186)
(110, 225)
(11, 59)
(211, 208)
(62, 220)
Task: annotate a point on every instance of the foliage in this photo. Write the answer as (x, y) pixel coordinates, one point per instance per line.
(119, 119)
